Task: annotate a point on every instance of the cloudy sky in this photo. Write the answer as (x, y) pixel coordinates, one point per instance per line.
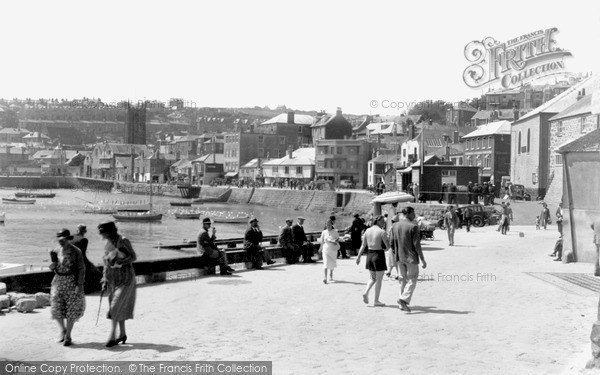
(304, 54)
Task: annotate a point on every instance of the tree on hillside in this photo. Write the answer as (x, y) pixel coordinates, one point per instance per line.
(431, 110)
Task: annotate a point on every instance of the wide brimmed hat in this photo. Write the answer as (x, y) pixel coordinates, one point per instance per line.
(206, 220)
(107, 227)
(64, 234)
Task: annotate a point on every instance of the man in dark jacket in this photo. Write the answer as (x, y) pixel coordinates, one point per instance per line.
(300, 240)
(252, 244)
(210, 254)
(286, 241)
(356, 229)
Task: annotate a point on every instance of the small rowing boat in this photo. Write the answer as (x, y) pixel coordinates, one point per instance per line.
(146, 216)
(190, 215)
(2, 217)
(17, 201)
(181, 204)
(34, 195)
(231, 219)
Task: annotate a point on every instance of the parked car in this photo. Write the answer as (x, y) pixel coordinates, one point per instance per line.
(347, 184)
(520, 194)
(481, 215)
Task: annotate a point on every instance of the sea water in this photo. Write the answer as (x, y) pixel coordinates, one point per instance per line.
(30, 230)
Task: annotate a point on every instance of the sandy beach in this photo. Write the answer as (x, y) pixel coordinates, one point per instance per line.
(487, 305)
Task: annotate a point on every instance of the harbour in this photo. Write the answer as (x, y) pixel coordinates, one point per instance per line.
(29, 230)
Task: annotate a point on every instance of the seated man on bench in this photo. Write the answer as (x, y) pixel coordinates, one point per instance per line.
(286, 241)
(252, 244)
(210, 254)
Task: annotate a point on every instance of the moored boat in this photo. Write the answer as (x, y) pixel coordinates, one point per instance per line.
(17, 201)
(34, 195)
(189, 215)
(2, 217)
(142, 216)
(181, 204)
(231, 219)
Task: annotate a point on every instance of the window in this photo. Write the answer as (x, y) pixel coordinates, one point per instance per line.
(299, 170)
(274, 169)
(449, 173)
(519, 148)
(261, 152)
(286, 170)
(351, 165)
(340, 150)
(460, 161)
(559, 127)
(404, 152)
(281, 140)
(558, 159)
(478, 160)
(322, 150)
(339, 164)
(487, 161)
(528, 139)
(321, 164)
(299, 129)
(490, 142)
(261, 139)
(370, 167)
(351, 150)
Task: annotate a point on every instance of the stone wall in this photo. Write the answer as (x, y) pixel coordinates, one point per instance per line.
(359, 202)
(241, 195)
(323, 201)
(430, 211)
(213, 191)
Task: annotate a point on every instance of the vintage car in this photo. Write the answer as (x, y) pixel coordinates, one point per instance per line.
(520, 194)
(481, 215)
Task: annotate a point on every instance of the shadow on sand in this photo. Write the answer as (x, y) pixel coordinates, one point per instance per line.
(161, 348)
(435, 310)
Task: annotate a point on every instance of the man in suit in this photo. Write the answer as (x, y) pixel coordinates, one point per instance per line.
(210, 254)
(286, 241)
(356, 230)
(300, 240)
(405, 240)
(252, 244)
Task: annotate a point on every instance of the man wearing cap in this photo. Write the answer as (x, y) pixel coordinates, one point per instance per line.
(209, 252)
(300, 240)
(286, 241)
(406, 241)
(252, 244)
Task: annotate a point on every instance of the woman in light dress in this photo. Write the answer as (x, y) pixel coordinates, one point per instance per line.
(330, 246)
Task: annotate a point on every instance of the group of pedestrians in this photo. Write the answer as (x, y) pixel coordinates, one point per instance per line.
(404, 243)
(74, 274)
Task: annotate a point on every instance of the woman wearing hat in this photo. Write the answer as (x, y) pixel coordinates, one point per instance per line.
(67, 300)
(330, 240)
(92, 274)
(118, 279)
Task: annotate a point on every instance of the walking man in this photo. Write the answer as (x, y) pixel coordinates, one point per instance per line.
(375, 239)
(406, 242)
(468, 216)
(450, 222)
(545, 215)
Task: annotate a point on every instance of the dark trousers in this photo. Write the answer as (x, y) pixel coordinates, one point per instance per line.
(291, 253)
(306, 250)
(256, 256)
(468, 222)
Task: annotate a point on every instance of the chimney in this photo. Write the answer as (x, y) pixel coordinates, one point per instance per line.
(582, 92)
(455, 137)
(579, 95)
(430, 122)
(447, 152)
(515, 114)
(338, 112)
(290, 117)
(290, 152)
(411, 131)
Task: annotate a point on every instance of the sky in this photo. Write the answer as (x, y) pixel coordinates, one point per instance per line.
(308, 55)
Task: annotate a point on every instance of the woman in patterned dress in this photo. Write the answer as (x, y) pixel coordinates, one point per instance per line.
(119, 279)
(67, 299)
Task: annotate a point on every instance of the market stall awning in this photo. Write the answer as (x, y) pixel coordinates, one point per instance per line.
(231, 174)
